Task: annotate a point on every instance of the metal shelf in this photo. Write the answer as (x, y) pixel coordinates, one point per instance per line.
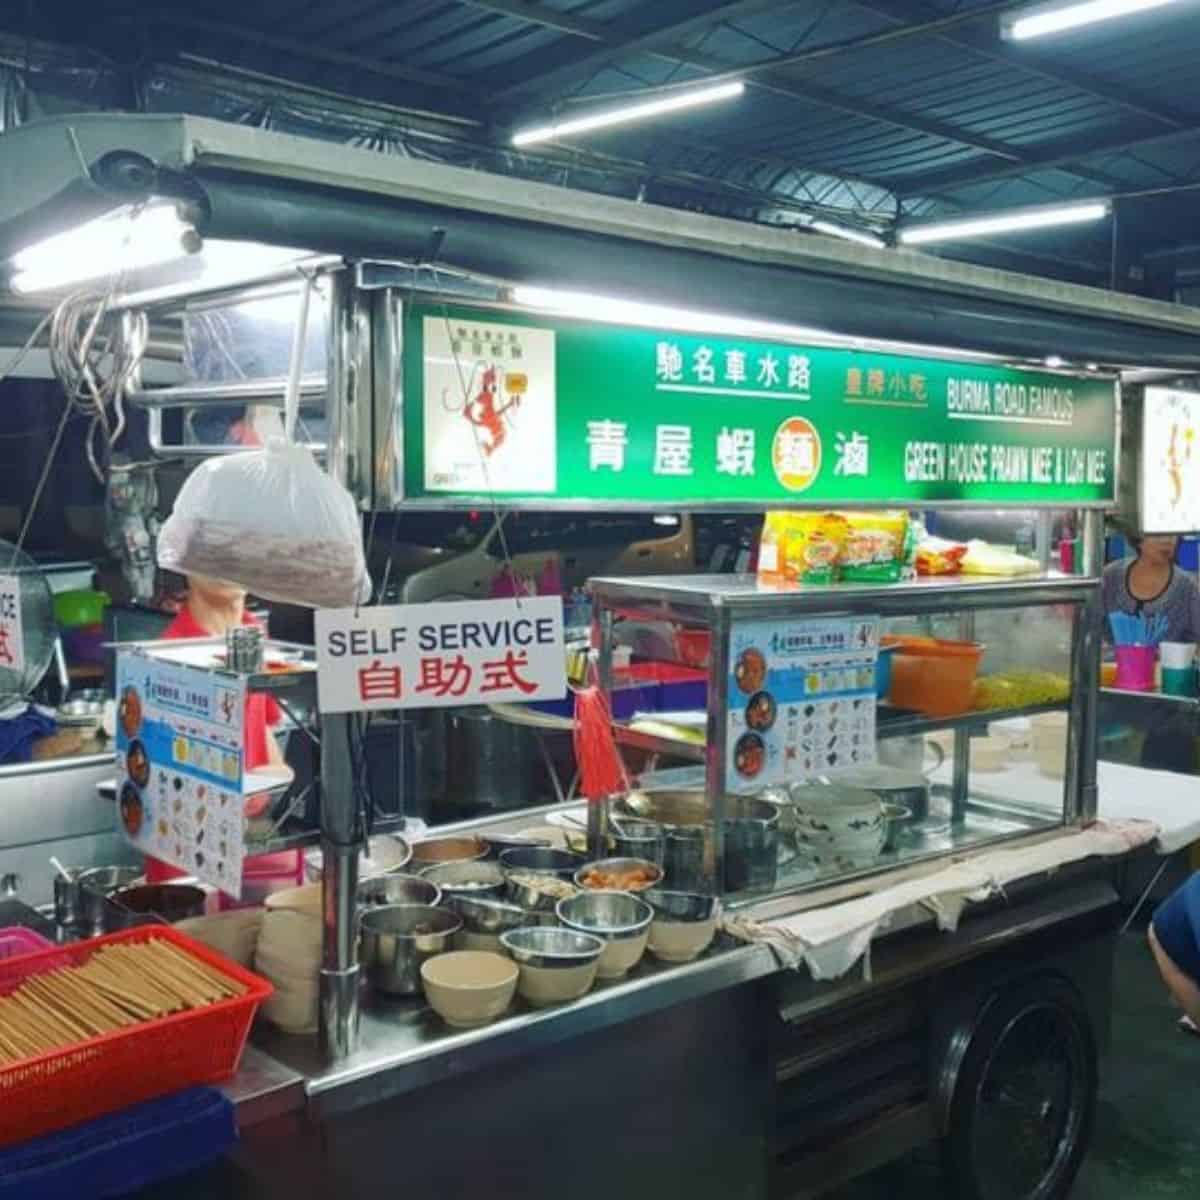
(909, 723)
(696, 597)
(918, 723)
(654, 744)
(1151, 697)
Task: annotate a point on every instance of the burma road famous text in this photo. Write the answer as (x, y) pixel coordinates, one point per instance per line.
(552, 409)
(434, 655)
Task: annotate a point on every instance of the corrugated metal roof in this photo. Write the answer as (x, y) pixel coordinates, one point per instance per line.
(867, 109)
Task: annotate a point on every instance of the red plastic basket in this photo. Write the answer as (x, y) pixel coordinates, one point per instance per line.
(88, 1079)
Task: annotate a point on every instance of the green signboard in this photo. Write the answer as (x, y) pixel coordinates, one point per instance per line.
(534, 408)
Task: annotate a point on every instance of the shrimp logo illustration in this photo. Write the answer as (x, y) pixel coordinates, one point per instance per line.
(1179, 453)
(486, 411)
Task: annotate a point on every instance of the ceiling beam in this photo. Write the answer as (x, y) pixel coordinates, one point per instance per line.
(1055, 158)
(546, 69)
(622, 41)
(986, 43)
(785, 82)
(312, 51)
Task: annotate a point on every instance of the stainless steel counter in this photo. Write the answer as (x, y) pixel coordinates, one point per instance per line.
(405, 1046)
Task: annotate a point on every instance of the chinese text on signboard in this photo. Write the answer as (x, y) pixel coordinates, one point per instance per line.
(435, 655)
(550, 408)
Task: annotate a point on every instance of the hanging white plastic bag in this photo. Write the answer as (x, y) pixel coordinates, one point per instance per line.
(271, 520)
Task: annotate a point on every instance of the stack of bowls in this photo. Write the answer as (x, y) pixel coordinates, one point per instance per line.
(838, 826)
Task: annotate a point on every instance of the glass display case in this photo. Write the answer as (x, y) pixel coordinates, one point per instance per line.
(835, 732)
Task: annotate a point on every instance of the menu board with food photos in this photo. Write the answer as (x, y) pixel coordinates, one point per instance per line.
(801, 699)
(180, 766)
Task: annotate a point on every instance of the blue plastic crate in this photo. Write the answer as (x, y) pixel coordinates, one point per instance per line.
(123, 1151)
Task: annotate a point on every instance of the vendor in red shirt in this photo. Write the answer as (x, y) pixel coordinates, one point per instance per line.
(213, 608)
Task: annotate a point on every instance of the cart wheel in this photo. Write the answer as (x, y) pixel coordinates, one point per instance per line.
(1025, 1098)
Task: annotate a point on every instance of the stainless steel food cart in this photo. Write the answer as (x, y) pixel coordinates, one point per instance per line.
(726, 1077)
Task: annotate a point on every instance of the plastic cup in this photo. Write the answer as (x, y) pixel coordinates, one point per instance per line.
(1179, 681)
(1177, 656)
(1135, 667)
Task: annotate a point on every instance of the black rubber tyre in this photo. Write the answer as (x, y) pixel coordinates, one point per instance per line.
(1024, 1102)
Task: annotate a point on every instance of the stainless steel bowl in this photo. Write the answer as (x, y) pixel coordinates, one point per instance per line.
(398, 889)
(548, 946)
(385, 854)
(895, 818)
(481, 914)
(617, 865)
(472, 878)
(638, 839)
(397, 939)
(448, 849)
(609, 915)
(541, 860)
(499, 842)
(681, 906)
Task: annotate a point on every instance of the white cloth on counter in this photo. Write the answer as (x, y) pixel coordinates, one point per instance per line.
(1171, 801)
(831, 940)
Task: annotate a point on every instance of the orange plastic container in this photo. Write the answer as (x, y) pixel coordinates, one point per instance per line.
(87, 1079)
(932, 676)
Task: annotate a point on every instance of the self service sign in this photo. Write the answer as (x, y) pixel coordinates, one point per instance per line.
(550, 409)
(436, 655)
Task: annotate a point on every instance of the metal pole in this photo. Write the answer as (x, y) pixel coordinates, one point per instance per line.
(340, 837)
(1082, 789)
(349, 344)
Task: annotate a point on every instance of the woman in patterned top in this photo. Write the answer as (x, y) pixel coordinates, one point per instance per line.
(1151, 585)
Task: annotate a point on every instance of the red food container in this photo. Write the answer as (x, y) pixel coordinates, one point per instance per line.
(87, 1079)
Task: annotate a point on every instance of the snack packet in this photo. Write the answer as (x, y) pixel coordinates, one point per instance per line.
(876, 548)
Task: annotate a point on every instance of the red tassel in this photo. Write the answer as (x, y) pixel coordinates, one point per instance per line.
(601, 772)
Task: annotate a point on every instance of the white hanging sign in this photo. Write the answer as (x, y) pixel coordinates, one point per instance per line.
(437, 655)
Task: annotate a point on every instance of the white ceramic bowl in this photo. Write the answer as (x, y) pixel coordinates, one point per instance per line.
(468, 988)
(838, 824)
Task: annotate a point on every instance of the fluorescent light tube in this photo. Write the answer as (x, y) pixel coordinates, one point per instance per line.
(610, 309)
(1010, 222)
(118, 241)
(632, 112)
(1047, 19)
(847, 234)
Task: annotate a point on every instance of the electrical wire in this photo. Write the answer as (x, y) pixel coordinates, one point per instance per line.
(95, 363)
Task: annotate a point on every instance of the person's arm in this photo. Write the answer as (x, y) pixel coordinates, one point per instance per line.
(274, 715)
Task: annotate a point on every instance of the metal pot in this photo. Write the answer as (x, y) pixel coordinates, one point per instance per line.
(492, 765)
(396, 940)
(751, 838)
(917, 754)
